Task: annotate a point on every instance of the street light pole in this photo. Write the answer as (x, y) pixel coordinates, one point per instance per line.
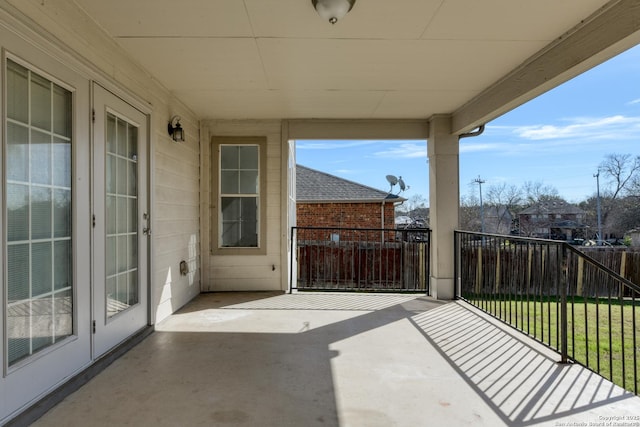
(597, 177)
(480, 181)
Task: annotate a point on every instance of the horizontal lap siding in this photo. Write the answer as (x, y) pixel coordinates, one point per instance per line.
(247, 272)
(176, 223)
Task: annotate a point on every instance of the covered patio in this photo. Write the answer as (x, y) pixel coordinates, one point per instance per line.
(309, 359)
(126, 128)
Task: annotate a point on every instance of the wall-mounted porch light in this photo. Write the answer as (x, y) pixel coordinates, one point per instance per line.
(175, 129)
(333, 10)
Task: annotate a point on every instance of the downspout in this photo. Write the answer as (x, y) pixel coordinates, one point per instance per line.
(382, 222)
(456, 256)
(477, 132)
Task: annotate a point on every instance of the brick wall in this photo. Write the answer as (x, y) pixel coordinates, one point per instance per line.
(345, 215)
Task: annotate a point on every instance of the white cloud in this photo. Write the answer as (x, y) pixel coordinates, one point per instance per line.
(614, 127)
(405, 150)
(346, 171)
(479, 147)
(579, 133)
(332, 145)
(633, 102)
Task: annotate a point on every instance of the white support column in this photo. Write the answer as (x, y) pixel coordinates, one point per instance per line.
(444, 202)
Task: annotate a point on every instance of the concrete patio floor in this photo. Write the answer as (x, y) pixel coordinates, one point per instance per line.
(259, 359)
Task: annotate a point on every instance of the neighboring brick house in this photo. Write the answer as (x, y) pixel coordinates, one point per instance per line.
(324, 200)
(552, 220)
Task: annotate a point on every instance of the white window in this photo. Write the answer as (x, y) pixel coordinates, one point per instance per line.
(39, 310)
(239, 184)
(239, 195)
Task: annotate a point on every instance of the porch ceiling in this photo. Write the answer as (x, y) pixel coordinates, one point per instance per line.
(386, 59)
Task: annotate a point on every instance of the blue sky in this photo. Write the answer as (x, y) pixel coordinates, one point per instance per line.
(558, 139)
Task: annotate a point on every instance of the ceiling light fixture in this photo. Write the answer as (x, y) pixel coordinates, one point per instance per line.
(175, 129)
(333, 10)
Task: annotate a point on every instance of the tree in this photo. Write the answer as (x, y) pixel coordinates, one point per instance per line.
(590, 216)
(505, 200)
(625, 216)
(621, 171)
(469, 213)
(633, 190)
(415, 207)
(502, 202)
(621, 174)
(537, 192)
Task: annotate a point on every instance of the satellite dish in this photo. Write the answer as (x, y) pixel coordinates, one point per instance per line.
(391, 179)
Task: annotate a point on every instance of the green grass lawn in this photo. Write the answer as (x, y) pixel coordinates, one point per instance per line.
(590, 342)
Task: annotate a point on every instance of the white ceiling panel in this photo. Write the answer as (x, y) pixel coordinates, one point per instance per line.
(372, 19)
(417, 104)
(389, 64)
(332, 104)
(542, 20)
(162, 18)
(276, 104)
(385, 59)
(200, 63)
(230, 104)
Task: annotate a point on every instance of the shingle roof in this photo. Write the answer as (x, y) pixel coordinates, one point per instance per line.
(316, 186)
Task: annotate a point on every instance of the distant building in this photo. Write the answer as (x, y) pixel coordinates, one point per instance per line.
(324, 200)
(552, 220)
(497, 219)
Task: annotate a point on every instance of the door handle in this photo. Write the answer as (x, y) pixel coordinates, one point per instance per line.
(147, 229)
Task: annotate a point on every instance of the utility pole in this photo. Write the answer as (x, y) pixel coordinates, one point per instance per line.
(480, 181)
(597, 177)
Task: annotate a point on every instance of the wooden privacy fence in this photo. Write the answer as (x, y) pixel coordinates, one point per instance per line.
(623, 260)
(340, 259)
(526, 268)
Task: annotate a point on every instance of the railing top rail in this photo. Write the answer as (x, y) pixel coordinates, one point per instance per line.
(511, 237)
(422, 230)
(599, 265)
(566, 245)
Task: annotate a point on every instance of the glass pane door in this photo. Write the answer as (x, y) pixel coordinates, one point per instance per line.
(39, 305)
(122, 286)
(121, 215)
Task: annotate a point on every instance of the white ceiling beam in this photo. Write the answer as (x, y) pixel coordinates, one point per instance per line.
(608, 32)
(388, 129)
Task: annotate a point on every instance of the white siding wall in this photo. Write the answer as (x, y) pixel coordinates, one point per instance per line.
(174, 167)
(245, 272)
(176, 224)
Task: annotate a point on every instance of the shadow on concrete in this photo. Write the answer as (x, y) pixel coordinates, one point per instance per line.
(261, 359)
(190, 373)
(519, 379)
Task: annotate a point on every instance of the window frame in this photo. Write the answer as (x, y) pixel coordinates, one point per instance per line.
(71, 290)
(216, 247)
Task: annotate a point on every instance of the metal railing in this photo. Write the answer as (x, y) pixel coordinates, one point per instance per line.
(360, 259)
(558, 295)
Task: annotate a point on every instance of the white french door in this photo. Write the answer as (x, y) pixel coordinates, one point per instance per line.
(73, 224)
(120, 220)
(45, 227)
